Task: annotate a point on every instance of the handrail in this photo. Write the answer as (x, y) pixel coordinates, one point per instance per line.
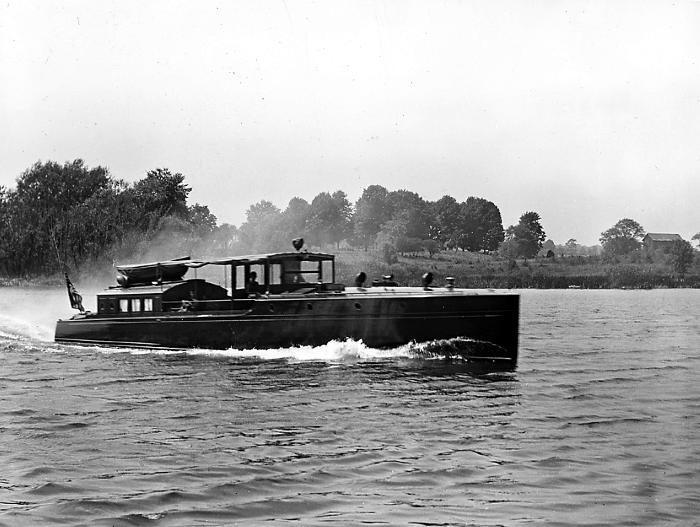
(197, 305)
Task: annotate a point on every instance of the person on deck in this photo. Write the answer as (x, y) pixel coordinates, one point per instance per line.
(188, 305)
(253, 286)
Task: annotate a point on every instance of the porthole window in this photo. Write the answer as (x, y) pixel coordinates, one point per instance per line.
(357, 305)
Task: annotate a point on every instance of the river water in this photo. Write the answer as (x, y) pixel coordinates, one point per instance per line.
(597, 425)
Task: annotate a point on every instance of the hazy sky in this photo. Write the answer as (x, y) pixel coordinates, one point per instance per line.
(586, 112)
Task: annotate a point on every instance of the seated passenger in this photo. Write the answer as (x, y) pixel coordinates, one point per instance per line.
(188, 305)
(253, 286)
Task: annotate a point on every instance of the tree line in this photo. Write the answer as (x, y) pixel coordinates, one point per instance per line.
(66, 216)
(70, 215)
(400, 219)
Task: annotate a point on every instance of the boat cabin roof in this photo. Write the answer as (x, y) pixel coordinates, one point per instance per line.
(230, 260)
(286, 268)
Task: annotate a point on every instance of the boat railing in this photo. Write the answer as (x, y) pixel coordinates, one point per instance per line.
(194, 305)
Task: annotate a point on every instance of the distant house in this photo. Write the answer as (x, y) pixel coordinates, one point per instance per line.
(657, 240)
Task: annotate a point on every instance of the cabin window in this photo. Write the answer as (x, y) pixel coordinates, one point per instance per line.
(259, 270)
(135, 305)
(296, 272)
(148, 304)
(310, 271)
(240, 277)
(124, 305)
(109, 305)
(327, 271)
(276, 273)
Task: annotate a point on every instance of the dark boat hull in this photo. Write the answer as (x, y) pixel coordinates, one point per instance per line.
(379, 322)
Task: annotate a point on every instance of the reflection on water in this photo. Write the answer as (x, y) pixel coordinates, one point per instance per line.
(595, 426)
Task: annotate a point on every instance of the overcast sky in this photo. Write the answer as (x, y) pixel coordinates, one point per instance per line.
(585, 112)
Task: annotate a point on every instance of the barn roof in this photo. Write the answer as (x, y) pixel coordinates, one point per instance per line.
(662, 237)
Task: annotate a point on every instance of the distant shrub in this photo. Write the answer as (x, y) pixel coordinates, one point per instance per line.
(409, 245)
(389, 255)
(431, 247)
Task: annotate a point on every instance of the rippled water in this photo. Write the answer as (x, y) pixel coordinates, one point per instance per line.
(597, 425)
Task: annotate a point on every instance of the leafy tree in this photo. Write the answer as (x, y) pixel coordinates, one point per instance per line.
(57, 212)
(389, 255)
(98, 225)
(431, 246)
(371, 211)
(570, 248)
(203, 222)
(329, 217)
(322, 214)
(13, 234)
(161, 193)
(394, 228)
(682, 255)
(526, 238)
(55, 187)
(260, 211)
(412, 211)
(394, 232)
(411, 222)
(494, 233)
(445, 213)
(480, 225)
(409, 245)
(622, 238)
(261, 230)
(509, 249)
(71, 214)
(296, 217)
(342, 228)
(224, 239)
(573, 248)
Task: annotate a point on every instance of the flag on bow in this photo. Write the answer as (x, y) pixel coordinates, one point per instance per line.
(76, 301)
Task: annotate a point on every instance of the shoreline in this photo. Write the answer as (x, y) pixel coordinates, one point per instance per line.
(469, 270)
(58, 282)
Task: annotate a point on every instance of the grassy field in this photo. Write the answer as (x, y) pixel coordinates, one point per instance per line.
(470, 270)
(485, 271)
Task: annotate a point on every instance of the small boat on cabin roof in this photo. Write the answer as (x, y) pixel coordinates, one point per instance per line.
(288, 299)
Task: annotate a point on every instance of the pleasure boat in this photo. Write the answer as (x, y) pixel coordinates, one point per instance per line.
(288, 299)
